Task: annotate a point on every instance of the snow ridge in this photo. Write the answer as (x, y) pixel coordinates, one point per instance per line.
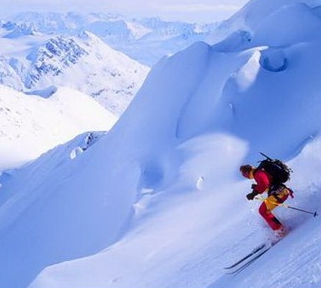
(158, 201)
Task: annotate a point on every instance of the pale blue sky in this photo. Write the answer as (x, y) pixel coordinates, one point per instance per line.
(186, 10)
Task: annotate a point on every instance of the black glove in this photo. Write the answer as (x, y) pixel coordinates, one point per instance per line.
(251, 195)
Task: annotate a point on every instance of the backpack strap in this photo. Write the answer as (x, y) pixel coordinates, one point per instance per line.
(291, 193)
(275, 188)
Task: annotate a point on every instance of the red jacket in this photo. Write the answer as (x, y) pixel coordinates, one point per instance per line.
(263, 181)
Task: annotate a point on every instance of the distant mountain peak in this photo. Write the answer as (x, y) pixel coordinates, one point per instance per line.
(89, 37)
(55, 55)
(19, 30)
(9, 25)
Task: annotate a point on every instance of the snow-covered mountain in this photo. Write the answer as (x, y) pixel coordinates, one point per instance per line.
(33, 62)
(31, 125)
(158, 201)
(19, 30)
(41, 50)
(145, 40)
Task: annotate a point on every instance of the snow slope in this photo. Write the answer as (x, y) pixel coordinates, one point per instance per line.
(31, 125)
(158, 201)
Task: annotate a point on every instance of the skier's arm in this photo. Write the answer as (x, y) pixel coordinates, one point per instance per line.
(263, 182)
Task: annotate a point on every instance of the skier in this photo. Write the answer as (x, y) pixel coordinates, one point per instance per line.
(277, 194)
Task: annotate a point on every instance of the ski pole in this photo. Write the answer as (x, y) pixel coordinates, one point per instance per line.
(298, 209)
(288, 206)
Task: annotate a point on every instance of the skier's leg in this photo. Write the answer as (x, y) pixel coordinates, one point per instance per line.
(266, 213)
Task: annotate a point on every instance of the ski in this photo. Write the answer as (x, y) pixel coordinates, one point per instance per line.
(242, 265)
(250, 258)
(255, 250)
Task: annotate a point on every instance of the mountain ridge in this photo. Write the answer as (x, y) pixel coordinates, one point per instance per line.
(75, 62)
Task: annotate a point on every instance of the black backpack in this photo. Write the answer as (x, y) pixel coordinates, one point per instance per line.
(279, 171)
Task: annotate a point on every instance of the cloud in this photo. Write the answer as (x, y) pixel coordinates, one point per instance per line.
(197, 7)
(196, 12)
(186, 10)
